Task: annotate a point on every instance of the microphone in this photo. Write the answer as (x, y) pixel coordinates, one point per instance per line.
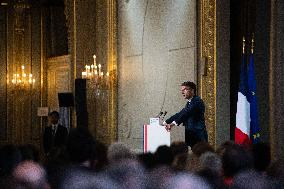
(159, 115)
(165, 113)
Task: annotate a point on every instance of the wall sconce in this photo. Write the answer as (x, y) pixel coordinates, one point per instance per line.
(95, 73)
(22, 79)
(99, 81)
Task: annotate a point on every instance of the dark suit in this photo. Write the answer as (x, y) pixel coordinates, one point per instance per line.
(51, 140)
(192, 117)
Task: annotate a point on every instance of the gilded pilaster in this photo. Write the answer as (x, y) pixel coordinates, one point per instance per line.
(112, 67)
(208, 77)
(105, 100)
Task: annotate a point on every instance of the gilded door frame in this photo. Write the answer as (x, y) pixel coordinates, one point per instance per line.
(207, 63)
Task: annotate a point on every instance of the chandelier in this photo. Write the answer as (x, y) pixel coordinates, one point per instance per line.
(22, 79)
(95, 72)
(99, 82)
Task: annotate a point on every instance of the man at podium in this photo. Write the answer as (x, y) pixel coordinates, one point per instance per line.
(192, 116)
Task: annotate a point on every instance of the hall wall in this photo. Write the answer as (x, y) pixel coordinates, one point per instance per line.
(156, 53)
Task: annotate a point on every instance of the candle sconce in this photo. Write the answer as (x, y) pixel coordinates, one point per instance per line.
(99, 80)
(22, 80)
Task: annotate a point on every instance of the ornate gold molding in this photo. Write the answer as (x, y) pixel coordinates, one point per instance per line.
(112, 67)
(208, 51)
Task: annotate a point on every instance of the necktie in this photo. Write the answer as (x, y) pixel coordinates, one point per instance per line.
(53, 131)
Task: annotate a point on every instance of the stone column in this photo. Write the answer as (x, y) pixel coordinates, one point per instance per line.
(276, 79)
(222, 71)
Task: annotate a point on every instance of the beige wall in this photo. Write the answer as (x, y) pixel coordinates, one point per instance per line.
(156, 52)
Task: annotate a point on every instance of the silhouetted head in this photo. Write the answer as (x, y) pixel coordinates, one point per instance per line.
(53, 117)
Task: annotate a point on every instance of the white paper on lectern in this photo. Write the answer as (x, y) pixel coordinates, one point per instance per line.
(155, 121)
(155, 136)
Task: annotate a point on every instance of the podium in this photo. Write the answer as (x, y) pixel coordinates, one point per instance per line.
(155, 135)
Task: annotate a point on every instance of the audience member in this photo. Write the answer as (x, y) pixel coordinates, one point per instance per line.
(179, 147)
(119, 151)
(164, 156)
(261, 156)
(10, 157)
(127, 174)
(79, 152)
(201, 147)
(250, 180)
(211, 161)
(147, 160)
(211, 169)
(81, 147)
(197, 150)
(77, 178)
(86, 163)
(186, 181)
(181, 162)
(158, 177)
(101, 160)
(29, 152)
(234, 160)
(31, 175)
(221, 149)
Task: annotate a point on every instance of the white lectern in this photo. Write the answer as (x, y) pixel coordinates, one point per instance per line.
(155, 135)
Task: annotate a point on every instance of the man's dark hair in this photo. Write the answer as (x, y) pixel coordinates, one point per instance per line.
(164, 155)
(261, 156)
(179, 147)
(190, 85)
(55, 114)
(236, 159)
(81, 145)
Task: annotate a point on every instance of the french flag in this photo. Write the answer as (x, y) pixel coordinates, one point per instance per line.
(242, 130)
(247, 125)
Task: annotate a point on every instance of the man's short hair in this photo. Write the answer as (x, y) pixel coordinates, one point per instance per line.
(55, 114)
(190, 85)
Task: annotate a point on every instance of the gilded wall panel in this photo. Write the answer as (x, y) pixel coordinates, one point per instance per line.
(208, 51)
(58, 75)
(21, 34)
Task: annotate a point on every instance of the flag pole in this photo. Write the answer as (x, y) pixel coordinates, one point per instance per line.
(244, 44)
(252, 43)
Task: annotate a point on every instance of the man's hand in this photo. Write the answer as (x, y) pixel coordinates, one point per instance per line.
(168, 127)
